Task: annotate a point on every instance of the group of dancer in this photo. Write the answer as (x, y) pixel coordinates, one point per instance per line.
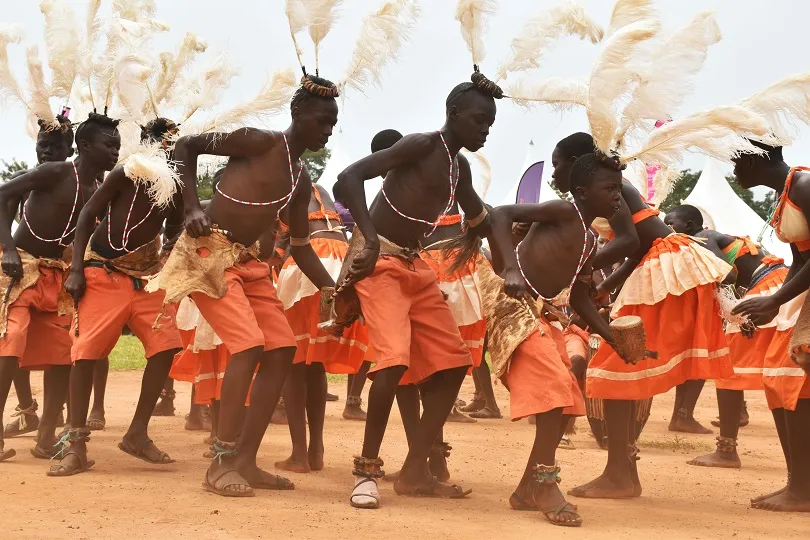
(256, 294)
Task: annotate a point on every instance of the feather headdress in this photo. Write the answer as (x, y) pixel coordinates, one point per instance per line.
(784, 105)
(471, 15)
(321, 16)
(9, 86)
(62, 45)
(39, 103)
(151, 167)
(382, 35)
(628, 12)
(173, 64)
(542, 30)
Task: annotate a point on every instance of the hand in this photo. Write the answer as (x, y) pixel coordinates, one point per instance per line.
(76, 284)
(12, 264)
(600, 297)
(513, 284)
(197, 223)
(760, 305)
(362, 265)
(764, 318)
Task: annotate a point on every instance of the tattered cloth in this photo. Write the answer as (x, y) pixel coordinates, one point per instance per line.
(509, 320)
(346, 305)
(142, 263)
(198, 265)
(13, 288)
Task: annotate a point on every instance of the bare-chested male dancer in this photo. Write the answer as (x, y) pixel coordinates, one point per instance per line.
(107, 284)
(58, 192)
(216, 262)
(410, 325)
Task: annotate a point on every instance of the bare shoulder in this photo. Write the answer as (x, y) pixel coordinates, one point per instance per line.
(632, 197)
(324, 193)
(418, 142)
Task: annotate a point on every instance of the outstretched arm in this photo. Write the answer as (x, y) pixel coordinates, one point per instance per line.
(40, 178)
(241, 143)
(94, 208)
(350, 193)
(500, 239)
(300, 249)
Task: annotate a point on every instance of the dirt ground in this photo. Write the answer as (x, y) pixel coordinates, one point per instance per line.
(125, 498)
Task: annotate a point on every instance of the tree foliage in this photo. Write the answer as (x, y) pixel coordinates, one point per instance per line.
(686, 182)
(315, 162)
(9, 169)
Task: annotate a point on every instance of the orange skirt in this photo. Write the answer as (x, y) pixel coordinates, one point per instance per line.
(461, 291)
(338, 354)
(748, 355)
(673, 291)
(785, 383)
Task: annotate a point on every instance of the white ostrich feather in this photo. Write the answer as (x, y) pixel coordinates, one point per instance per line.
(62, 44)
(720, 133)
(627, 12)
(9, 85)
(784, 105)
(611, 78)
(39, 103)
(209, 92)
(540, 32)
(150, 166)
(131, 74)
(320, 17)
(273, 97)
(297, 19)
(381, 37)
(173, 65)
(560, 94)
(471, 14)
(667, 78)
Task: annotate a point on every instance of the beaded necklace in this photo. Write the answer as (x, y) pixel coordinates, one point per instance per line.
(68, 231)
(453, 183)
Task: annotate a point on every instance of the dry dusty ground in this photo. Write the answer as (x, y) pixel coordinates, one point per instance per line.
(125, 498)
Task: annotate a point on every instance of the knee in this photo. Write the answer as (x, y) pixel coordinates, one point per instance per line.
(579, 366)
(388, 379)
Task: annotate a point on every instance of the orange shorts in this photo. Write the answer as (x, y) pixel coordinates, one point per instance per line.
(111, 302)
(182, 369)
(576, 343)
(409, 322)
(785, 383)
(249, 315)
(36, 335)
(461, 290)
(539, 380)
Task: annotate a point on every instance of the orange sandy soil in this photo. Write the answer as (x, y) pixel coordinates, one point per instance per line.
(126, 498)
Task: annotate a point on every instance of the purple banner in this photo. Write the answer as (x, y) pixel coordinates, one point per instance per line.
(345, 216)
(529, 188)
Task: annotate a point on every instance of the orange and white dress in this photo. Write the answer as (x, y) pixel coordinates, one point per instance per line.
(785, 382)
(301, 299)
(673, 291)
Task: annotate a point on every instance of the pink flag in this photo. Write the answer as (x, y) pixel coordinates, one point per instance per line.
(653, 168)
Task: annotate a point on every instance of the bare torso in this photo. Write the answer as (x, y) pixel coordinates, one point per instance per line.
(48, 212)
(420, 190)
(746, 264)
(649, 230)
(263, 178)
(321, 227)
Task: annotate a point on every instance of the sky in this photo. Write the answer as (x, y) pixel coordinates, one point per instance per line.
(761, 44)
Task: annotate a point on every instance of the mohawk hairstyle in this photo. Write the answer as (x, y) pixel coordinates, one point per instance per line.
(313, 86)
(157, 130)
(479, 83)
(93, 124)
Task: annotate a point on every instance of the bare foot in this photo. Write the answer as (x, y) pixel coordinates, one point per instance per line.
(487, 412)
(478, 402)
(354, 409)
(294, 464)
(73, 462)
(756, 500)
(726, 460)
(437, 462)
(786, 501)
(429, 487)
(550, 500)
(688, 425)
(459, 417)
(606, 487)
(315, 458)
(96, 421)
(259, 479)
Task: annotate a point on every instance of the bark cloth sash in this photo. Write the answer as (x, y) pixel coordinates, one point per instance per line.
(509, 320)
(345, 308)
(12, 288)
(199, 265)
(142, 263)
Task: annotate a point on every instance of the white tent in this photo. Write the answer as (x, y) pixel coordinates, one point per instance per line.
(546, 191)
(338, 161)
(725, 212)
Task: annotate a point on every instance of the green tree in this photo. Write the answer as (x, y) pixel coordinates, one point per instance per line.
(9, 169)
(315, 162)
(686, 182)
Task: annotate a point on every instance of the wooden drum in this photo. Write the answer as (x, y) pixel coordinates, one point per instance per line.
(630, 338)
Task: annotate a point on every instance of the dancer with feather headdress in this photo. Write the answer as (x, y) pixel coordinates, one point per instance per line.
(32, 259)
(786, 372)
